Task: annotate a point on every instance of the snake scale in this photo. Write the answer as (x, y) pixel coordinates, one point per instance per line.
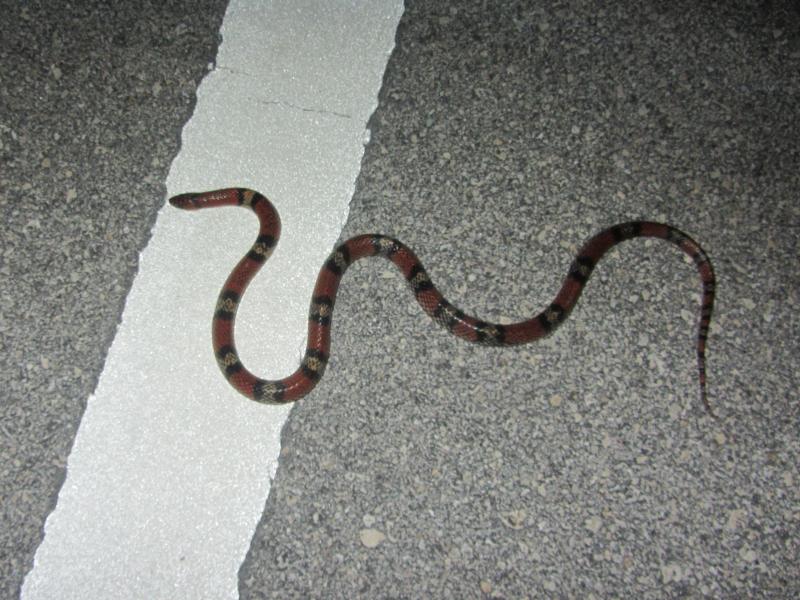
(303, 380)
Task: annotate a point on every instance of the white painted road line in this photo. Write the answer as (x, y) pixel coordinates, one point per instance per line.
(170, 468)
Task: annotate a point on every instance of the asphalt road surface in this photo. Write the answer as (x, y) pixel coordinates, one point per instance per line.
(507, 133)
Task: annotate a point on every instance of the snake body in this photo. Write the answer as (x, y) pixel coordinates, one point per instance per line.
(312, 367)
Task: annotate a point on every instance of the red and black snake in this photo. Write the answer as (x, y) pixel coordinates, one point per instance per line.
(303, 380)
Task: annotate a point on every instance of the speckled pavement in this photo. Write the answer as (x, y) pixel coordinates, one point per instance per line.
(423, 467)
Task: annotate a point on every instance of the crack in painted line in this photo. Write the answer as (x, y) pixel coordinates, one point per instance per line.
(318, 111)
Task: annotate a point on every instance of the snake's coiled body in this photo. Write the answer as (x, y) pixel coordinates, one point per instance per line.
(303, 380)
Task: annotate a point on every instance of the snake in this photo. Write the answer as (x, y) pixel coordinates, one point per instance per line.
(433, 303)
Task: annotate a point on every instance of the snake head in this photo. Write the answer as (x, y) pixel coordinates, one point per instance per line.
(190, 201)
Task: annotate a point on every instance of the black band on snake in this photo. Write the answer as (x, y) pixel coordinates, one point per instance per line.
(472, 329)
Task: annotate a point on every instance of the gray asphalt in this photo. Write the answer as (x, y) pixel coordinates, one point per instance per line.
(582, 466)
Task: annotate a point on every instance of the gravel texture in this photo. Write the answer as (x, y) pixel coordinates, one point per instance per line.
(507, 133)
(583, 466)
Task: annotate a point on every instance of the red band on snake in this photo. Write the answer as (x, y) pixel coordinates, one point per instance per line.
(303, 380)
